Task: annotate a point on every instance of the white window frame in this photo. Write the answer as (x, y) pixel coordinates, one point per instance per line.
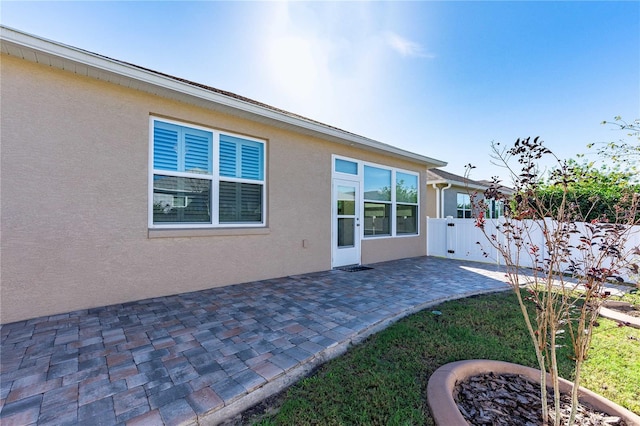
(360, 178)
(394, 183)
(463, 209)
(492, 207)
(214, 177)
(391, 203)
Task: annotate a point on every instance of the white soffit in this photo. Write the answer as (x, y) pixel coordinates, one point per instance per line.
(81, 62)
(456, 183)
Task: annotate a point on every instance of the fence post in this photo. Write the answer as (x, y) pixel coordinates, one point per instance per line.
(428, 233)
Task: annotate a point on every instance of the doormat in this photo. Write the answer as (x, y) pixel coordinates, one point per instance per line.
(354, 268)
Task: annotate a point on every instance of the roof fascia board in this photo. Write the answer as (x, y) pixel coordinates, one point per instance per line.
(456, 183)
(467, 185)
(75, 55)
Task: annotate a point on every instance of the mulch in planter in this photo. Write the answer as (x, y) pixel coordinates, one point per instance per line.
(510, 399)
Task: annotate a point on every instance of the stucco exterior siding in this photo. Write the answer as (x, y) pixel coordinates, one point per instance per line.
(431, 201)
(451, 199)
(382, 249)
(74, 207)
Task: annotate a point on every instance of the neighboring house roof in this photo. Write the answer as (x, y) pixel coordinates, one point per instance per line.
(439, 176)
(85, 63)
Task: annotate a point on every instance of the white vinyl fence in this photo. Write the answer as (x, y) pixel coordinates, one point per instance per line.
(461, 239)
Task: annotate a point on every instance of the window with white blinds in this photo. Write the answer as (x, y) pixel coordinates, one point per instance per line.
(205, 178)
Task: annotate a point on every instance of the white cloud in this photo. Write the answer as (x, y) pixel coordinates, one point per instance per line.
(319, 65)
(293, 62)
(404, 46)
(316, 62)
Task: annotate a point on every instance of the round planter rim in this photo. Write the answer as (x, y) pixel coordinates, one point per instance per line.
(442, 382)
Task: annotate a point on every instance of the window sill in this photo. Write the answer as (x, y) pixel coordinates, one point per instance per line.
(379, 237)
(218, 232)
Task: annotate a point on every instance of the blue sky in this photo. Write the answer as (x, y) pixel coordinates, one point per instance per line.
(442, 79)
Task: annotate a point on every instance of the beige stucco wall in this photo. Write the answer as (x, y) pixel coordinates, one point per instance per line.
(74, 188)
(431, 201)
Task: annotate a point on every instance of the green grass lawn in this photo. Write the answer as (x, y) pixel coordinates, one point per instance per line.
(383, 381)
(613, 367)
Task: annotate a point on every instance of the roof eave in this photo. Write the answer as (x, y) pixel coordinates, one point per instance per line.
(457, 183)
(68, 58)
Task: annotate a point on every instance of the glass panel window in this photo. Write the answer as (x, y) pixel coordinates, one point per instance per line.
(407, 203)
(181, 149)
(407, 219)
(344, 166)
(197, 151)
(241, 163)
(240, 202)
(464, 206)
(182, 154)
(181, 200)
(390, 198)
(495, 209)
(406, 188)
(165, 146)
(377, 184)
(240, 158)
(377, 219)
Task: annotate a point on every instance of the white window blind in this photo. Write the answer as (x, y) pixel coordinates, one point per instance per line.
(192, 186)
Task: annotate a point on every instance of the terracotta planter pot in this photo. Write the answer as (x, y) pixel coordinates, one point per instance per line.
(443, 381)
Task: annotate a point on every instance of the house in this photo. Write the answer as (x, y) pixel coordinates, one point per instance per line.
(120, 183)
(449, 194)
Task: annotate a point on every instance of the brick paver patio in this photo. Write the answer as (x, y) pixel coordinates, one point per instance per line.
(203, 357)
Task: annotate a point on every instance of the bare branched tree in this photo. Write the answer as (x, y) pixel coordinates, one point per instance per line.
(573, 262)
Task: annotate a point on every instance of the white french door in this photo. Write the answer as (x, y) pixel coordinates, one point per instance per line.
(346, 234)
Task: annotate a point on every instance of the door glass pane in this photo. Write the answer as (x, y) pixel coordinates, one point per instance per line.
(346, 232)
(346, 200)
